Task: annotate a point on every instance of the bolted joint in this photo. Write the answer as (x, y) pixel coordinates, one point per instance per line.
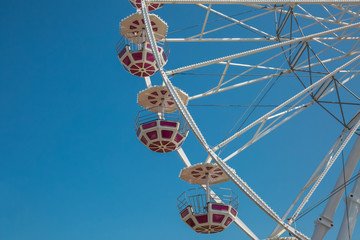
(328, 223)
(355, 198)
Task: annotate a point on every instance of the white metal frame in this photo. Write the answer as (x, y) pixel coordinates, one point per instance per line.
(278, 115)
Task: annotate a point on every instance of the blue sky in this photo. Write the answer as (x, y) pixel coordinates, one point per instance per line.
(70, 164)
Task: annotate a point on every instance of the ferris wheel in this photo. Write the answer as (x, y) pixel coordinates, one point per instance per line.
(254, 43)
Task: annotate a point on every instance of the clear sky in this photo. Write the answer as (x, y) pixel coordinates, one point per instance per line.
(71, 166)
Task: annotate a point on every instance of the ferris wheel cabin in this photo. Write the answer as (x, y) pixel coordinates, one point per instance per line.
(134, 50)
(151, 7)
(202, 211)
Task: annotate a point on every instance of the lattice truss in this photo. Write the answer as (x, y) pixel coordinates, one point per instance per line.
(312, 49)
(307, 43)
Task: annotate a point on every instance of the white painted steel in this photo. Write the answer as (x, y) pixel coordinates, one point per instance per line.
(277, 231)
(239, 22)
(183, 157)
(250, 39)
(236, 179)
(205, 21)
(148, 82)
(268, 129)
(263, 130)
(260, 134)
(317, 177)
(306, 91)
(352, 212)
(262, 49)
(325, 221)
(316, 173)
(253, 1)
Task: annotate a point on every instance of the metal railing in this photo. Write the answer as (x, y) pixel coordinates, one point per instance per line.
(196, 198)
(145, 116)
(136, 43)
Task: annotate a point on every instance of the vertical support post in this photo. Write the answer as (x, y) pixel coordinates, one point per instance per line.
(207, 188)
(325, 221)
(143, 37)
(162, 117)
(351, 213)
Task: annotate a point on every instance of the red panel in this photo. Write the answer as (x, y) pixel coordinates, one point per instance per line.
(127, 61)
(190, 222)
(220, 207)
(122, 52)
(152, 135)
(218, 218)
(168, 124)
(138, 132)
(149, 125)
(184, 213)
(137, 56)
(134, 67)
(143, 140)
(140, 65)
(171, 148)
(166, 134)
(150, 57)
(228, 221)
(164, 57)
(136, 22)
(233, 212)
(202, 218)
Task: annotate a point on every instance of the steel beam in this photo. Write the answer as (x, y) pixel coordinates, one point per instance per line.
(246, 2)
(325, 222)
(258, 50)
(188, 118)
(351, 212)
